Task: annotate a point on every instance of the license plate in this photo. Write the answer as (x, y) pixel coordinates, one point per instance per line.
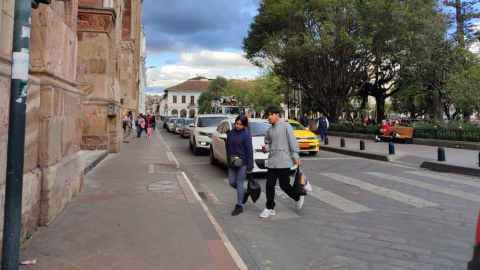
(266, 163)
(304, 145)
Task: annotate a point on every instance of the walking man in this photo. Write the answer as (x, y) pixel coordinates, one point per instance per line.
(283, 150)
(322, 125)
(305, 121)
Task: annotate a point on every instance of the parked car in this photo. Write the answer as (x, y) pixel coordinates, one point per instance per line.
(166, 120)
(201, 131)
(307, 140)
(474, 264)
(170, 124)
(176, 125)
(185, 128)
(258, 128)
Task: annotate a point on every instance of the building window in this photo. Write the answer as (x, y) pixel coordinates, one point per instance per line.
(174, 99)
(184, 99)
(192, 100)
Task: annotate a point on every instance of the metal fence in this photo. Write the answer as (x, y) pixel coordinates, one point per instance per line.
(439, 134)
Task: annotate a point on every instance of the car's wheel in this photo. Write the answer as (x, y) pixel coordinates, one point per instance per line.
(190, 143)
(313, 153)
(213, 160)
(196, 151)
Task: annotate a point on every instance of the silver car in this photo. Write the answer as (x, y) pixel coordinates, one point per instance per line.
(185, 128)
(170, 124)
(176, 125)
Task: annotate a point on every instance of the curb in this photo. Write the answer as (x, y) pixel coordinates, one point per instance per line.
(236, 258)
(128, 137)
(92, 165)
(445, 167)
(169, 151)
(357, 153)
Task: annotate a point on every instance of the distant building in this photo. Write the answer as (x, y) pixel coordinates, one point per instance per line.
(182, 99)
(142, 89)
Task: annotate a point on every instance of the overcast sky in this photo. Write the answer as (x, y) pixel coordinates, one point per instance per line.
(186, 38)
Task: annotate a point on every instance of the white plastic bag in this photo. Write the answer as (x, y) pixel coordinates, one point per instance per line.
(307, 187)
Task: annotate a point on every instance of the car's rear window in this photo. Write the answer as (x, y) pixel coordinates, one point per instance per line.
(210, 121)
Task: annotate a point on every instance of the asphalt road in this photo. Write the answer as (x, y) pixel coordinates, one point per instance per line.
(362, 214)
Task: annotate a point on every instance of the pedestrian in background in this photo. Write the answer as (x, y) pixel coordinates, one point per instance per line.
(149, 129)
(283, 150)
(305, 121)
(154, 122)
(239, 145)
(140, 125)
(383, 130)
(322, 125)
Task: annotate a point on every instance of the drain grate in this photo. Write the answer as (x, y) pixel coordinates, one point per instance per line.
(202, 195)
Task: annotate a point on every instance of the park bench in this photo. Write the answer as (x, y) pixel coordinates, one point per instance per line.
(406, 134)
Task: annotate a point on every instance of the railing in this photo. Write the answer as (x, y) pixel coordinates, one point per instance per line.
(471, 135)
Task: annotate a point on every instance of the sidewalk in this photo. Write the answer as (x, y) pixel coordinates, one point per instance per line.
(453, 156)
(136, 211)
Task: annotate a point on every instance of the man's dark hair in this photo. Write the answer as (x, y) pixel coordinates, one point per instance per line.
(273, 109)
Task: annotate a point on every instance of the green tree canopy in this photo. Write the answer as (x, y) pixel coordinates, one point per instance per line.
(332, 47)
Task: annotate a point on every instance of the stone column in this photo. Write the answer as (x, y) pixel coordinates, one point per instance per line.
(96, 76)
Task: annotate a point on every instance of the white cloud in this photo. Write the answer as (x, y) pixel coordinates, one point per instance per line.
(204, 63)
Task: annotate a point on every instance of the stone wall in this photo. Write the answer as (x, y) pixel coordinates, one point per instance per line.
(53, 47)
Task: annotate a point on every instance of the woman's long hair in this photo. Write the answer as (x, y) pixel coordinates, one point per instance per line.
(244, 121)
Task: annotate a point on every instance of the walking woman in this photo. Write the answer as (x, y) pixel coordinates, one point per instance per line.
(240, 159)
(140, 125)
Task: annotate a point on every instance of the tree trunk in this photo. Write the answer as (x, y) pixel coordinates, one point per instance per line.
(380, 108)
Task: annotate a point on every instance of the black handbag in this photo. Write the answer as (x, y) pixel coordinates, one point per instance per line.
(253, 188)
(236, 161)
(297, 186)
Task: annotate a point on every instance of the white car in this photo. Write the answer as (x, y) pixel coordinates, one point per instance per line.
(201, 131)
(170, 124)
(258, 128)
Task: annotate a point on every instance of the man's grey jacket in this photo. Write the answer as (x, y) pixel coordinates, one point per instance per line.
(282, 145)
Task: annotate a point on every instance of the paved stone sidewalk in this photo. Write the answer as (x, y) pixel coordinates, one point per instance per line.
(136, 211)
(462, 157)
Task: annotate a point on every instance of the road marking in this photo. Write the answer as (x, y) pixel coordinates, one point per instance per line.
(337, 201)
(281, 211)
(307, 159)
(392, 194)
(448, 191)
(450, 178)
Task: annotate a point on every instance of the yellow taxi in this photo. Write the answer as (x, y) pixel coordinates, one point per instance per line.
(307, 140)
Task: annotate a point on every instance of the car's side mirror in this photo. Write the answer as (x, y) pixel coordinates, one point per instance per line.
(307, 129)
(223, 136)
(191, 125)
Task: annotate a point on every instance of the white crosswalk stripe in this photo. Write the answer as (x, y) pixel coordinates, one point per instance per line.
(449, 178)
(281, 211)
(449, 191)
(337, 201)
(392, 194)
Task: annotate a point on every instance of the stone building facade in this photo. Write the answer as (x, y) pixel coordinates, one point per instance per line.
(79, 64)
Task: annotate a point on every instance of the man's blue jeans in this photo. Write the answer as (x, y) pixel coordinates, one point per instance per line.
(139, 131)
(323, 132)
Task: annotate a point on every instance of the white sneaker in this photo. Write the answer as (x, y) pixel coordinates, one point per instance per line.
(299, 203)
(267, 212)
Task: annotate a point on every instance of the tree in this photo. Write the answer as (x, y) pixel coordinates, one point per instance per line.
(217, 86)
(465, 12)
(329, 46)
(205, 102)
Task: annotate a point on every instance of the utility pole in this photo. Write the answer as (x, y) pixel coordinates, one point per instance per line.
(16, 133)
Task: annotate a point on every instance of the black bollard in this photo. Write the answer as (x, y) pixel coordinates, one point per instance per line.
(342, 142)
(441, 154)
(391, 149)
(362, 145)
(326, 141)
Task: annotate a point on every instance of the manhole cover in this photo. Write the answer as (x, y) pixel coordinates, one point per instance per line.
(164, 186)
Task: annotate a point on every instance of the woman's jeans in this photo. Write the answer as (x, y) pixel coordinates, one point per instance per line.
(236, 178)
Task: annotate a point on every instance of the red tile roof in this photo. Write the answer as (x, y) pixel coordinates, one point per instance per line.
(191, 85)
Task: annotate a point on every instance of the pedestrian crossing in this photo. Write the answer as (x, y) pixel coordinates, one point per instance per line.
(389, 193)
(349, 206)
